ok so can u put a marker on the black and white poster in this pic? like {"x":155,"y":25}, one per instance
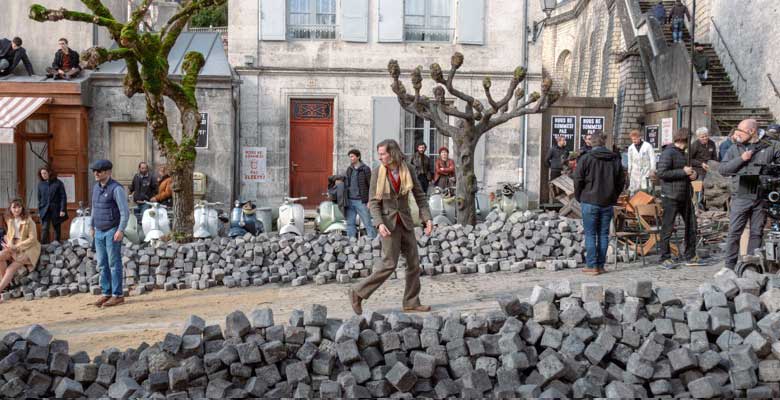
{"x":203,"y":132}
{"x":651,"y":135}
{"x":564,"y":126}
{"x":590,"y":126}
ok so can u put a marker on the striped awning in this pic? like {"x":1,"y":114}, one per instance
{"x":14,"y":110}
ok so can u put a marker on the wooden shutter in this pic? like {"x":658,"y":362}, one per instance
{"x":273,"y":20}
{"x":354,"y":20}
{"x":391,"y":20}
{"x":471,"y":21}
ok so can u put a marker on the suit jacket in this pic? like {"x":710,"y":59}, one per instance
{"x":28,"y":239}
{"x":387,"y":209}
{"x":51,"y":200}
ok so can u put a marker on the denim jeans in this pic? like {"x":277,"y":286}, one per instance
{"x":355,"y":208}
{"x":109,"y":257}
{"x":596,"y":220}
{"x":677,"y":26}
{"x":139,"y":211}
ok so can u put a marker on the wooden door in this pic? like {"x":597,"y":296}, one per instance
{"x":311,"y":148}
{"x":128,"y":148}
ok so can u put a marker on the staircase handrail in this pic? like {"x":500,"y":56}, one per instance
{"x":777,"y":93}
{"x":728,"y":51}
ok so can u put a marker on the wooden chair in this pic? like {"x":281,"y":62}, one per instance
{"x":649,"y":221}
{"x":622,"y":231}
{"x":698,"y":194}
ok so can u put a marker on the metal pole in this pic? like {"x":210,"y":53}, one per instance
{"x":690,"y":89}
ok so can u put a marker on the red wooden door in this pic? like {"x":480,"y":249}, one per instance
{"x":311,"y":148}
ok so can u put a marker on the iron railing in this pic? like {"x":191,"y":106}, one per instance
{"x":728,"y":51}
{"x":311,"y":31}
{"x":221,"y":29}
{"x":422,"y":34}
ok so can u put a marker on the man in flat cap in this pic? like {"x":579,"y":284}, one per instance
{"x":109,"y":220}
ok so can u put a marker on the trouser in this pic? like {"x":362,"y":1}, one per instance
{"x":702,"y":75}
{"x":401,"y":241}
{"x":596,"y":220}
{"x":139,"y":211}
{"x":71,"y":73}
{"x":671,"y":209}
{"x":554,"y":173}
{"x":742,"y":212}
{"x":356,"y":207}
{"x":45,"y":225}
{"x":677,"y":25}
{"x":109,"y":257}
{"x":423,"y":182}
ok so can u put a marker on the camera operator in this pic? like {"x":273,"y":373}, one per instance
{"x":746,"y":157}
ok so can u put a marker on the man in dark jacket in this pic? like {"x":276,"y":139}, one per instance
{"x":556,"y":157}
{"x":676,"y":194}
{"x":598,"y":182}
{"x":52,"y":204}
{"x":677,"y":17}
{"x":702,"y":151}
{"x":422,"y":163}
{"x":66,"y":63}
{"x":746,"y":157}
{"x":701,"y":62}
{"x":11,"y":54}
{"x":659,"y":12}
{"x":143,"y":188}
{"x":358,"y":181}
{"x":724,"y":148}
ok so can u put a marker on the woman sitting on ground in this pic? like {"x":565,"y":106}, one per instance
{"x":21,"y":247}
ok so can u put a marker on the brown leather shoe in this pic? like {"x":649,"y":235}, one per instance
{"x":419,"y":308}
{"x":114,"y":301}
{"x":589,"y":271}
{"x":357,"y":307}
{"x":102,"y":300}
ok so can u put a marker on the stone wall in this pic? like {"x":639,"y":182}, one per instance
{"x":631,"y":98}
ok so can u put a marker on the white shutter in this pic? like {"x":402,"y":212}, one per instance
{"x":391,"y":20}
{"x":471,"y":21}
{"x":354,"y":20}
{"x":386,"y":123}
{"x":273,"y":20}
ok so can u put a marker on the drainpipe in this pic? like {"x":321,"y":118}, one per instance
{"x":523,"y":175}
{"x":236,"y":192}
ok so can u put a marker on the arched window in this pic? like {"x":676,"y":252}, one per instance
{"x":563,"y":70}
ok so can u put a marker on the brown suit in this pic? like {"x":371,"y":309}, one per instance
{"x":401,"y":241}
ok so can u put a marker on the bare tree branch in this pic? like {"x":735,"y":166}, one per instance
{"x":138,"y":15}
{"x":42,"y":14}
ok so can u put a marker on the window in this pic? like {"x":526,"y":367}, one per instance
{"x":427,"y":21}
{"x":311,"y":19}
{"x":418,"y":130}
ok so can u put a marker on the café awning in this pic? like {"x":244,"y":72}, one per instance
{"x":14,"y":110}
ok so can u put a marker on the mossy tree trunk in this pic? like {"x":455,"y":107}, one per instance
{"x":146,"y":56}
{"x":473,"y":120}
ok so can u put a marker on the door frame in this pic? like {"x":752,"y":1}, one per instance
{"x":148,"y":142}
{"x":288,"y":96}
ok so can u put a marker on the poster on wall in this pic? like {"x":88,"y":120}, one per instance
{"x":563,"y":126}
{"x":590,"y":126}
{"x":69,"y":181}
{"x":667,"y":130}
{"x":203,"y":132}
{"x":253,"y":165}
{"x":651,"y":135}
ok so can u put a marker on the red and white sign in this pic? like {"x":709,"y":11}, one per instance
{"x":253,"y":165}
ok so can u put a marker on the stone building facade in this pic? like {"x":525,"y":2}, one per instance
{"x":286,"y":64}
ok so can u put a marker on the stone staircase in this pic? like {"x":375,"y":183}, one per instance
{"x":727,"y":109}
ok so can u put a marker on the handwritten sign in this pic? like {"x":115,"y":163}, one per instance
{"x":667,"y":131}
{"x":563,"y":126}
{"x":253,"y":165}
{"x":651,"y":135}
{"x":203,"y":132}
{"x":590,"y":126}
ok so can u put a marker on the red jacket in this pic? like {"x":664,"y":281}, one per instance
{"x":442,"y":168}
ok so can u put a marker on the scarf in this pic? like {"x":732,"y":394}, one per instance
{"x":382,"y":184}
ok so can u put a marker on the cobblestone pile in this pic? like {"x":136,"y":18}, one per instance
{"x":507,"y":243}
{"x":636,"y":341}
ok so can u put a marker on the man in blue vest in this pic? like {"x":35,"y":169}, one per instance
{"x":109,"y":220}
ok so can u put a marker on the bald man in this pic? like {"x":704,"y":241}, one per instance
{"x":746,"y":157}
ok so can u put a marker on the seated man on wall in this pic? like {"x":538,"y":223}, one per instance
{"x":66,"y":63}
{"x":11,"y":54}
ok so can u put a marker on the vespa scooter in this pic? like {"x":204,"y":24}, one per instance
{"x":134,"y":233}
{"x":207,"y":220}
{"x":243,"y":220}
{"x":511,"y":198}
{"x":155,"y":223}
{"x":442,"y":205}
{"x":81,"y":227}
{"x":329,"y":218}
{"x":291,"y":216}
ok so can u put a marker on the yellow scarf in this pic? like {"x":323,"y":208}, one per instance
{"x":383,"y":183}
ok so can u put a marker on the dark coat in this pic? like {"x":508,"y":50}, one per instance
{"x":599,"y":178}
{"x":14,"y":57}
{"x":764,"y":152}
{"x":679,"y":11}
{"x":72,"y":55}
{"x":723,"y":149}
{"x":557,"y":156}
{"x":702,"y":153}
{"x":51,"y":199}
{"x":363,"y":177}
{"x":393,"y":208}
{"x":675,"y":183}
{"x":143,"y":187}
{"x":422,"y":163}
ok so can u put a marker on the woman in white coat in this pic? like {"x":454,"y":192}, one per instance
{"x":641,"y":163}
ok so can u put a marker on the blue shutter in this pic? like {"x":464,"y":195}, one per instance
{"x":273,"y":20}
{"x":471,"y":21}
{"x":354,"y":20}
{"x":391,"y":20}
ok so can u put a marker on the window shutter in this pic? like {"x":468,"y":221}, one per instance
{"x":273,"y":20}
{"x":391,"y":20}
{"x":471,"y":21}
{"x":386,"y":120}
{"x":354,"y":20}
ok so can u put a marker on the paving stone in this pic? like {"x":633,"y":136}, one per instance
{"x":401,"y":377}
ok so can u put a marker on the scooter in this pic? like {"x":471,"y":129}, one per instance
{"x":291,"y":216}
{"x":329,"y":218}
{"x":442,"y":205}
{"x":207,"y":220}
{"x":155,"y":223}
{"x":134,"y":233}
{"x":81,"y":227}
{"x":243,"y":220}
{"x":511,"y":198}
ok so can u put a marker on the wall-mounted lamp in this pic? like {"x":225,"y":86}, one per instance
{"x":548,"y":6}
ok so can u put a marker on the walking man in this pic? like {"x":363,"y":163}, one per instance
{"x":746,"y":157}
{"x":676,"y":193}
{"x":422,"y":163}
{"x":659,"y":12}
{"x":598,"y":182}
{"x":391,"y":185}
{"x":358,"y":181}
{"x":677,"y":16}
{"x":641,"y":163}
{"x":109,"y":220}
{"x":700,"y":62}
{"x":143,"y":188}
{"x":557,"y":157}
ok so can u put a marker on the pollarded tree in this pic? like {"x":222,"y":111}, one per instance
{"x":474,"y":120}
{"x":146,"y":56}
